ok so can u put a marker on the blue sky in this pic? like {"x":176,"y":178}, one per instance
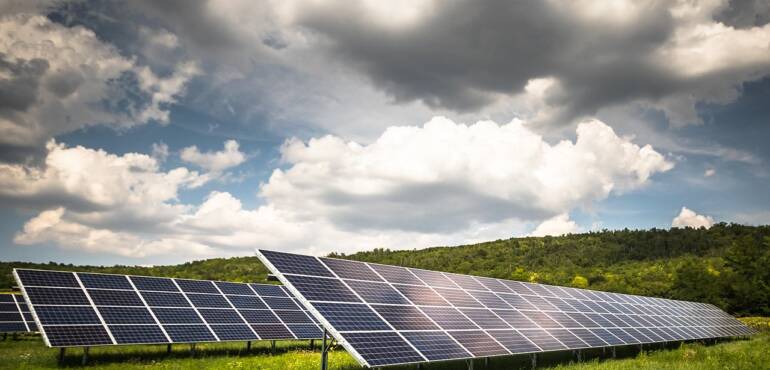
{"x":152,"y":133}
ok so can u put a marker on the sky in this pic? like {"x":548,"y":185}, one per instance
{"x":157,"y":132}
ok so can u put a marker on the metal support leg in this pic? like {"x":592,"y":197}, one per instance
{"x":192,"y":349}
{"x":248,"y":346}
{"x":61,"y":355}
{"x":15,"y":336}
{"x":470,"y":364}
{"x":272,"y":347}
{"x":613,"y":352}
{"x":580,"y":356}
{"x":534,"y":361}
{"x":85,"y":356}
{"x":486,"y":362}
{"x":312,"y":344}
{"x":324,"y":353}
{"x":641,"y":347}
{"x":168,"y":349}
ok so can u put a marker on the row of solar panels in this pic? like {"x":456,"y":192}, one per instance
{"x":14,"y":315}
{"x":86,"y":309}
{"x":388,"y":315}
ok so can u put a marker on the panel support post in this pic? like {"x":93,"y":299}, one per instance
{"x":85,"y":356}
{"x":579,"y":355}
{"x":61,"y":355}
{"x":534,"y":360}
{"x":248,"y":346}
{"x":324,"y":353}
{"x":486,"y":362}
{"x":312,"y":344}
{"x":470,"y":364}
{"x":5,"y":336}
{"x":168,"y":349}
{"x":272,"y":347}
{"x":613,"y":352}
{"x":641,"y":347}
{"x":15,"y":336}
{"x":192,"y":349}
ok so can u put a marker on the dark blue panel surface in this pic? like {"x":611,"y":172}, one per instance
{"x":320,"y":289}
{"x":405,"y":317}
{"x":380,"y":349}
{"x":234,"y":332}
{"x":47,"y":278}
{"x":132,"y":334}
{"x":64,"y":315}
{"x":436,"y":345}
{"x":126,"y":315}
{"x":345,"y":316}
{"x":104,"y":281}
{"x":479,"y":343}
{"x":154,"y":283}
{"x":296,"y":264}
{"x":103,"y":297}
{"x":76,"y":335}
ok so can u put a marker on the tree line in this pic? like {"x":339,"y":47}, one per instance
{"x":727,"y":265}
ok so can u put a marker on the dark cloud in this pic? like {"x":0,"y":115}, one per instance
{"x":745,"y":13}
{"x":463,"y":53}
{"x":20,"y":89}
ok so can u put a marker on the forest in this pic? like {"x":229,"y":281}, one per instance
{"x":727,"y":265}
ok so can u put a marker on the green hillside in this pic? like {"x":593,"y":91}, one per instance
{"x":727,"y":265}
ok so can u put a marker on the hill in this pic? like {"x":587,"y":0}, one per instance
{"x":727,"y":265}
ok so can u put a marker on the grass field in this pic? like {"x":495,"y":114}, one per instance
{"x":28,"y":352}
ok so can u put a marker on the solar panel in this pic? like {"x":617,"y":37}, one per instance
{"x":14,"y":315}
{"x":389,"y":315}
{"x":86,"y":309}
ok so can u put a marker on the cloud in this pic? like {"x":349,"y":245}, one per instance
{"x":56,"y":79}
{"x":215,"y":162}
{"x":709,"y":172}
{"x":472,"y":54}
{"x":555,"y":226}
{"x":415,"y":186}
{"x":444,"y":176}
{"x":688,"y":218}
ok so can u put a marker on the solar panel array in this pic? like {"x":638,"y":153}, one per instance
{"x":14,"y":315}
{"x":387,"y":315}
{"x":86,"y":309}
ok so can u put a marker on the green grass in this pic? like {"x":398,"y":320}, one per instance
{"x":28,"y":352}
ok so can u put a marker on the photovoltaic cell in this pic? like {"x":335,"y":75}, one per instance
{"x":448,"y":318}
{"x":452,"y":316}
{"x":479,"y":343}
{"x":514,"y":341}
{"x":132,"y":334}
{"x":436,"y":345}
{"x":405,"y":317}
{"x":372,"y":292}
{"x":383,"y":348}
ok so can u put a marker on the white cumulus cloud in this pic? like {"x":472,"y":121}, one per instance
{"x":441,"y":183}
{"x":216,"y":162}
{"x":555,"y":226}
{"x":688,"y":218}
